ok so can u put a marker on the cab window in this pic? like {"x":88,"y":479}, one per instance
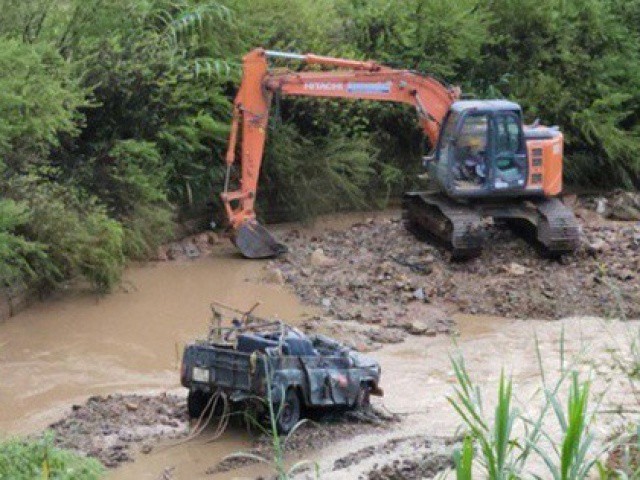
{"x":448,"y":133}
{"x":449,"y":128}
{"x":510,"y":155}
{"x":508,"y":135}
{"x":471,"y":167}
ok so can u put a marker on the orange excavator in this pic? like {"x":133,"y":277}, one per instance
{"x":485,"y":161}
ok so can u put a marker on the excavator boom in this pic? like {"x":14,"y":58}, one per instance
{"x":347,"y":79}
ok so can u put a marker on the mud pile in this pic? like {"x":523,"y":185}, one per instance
{"x":414,"y":457}
{"x":378,"y":273}
{"x":112,"y":428}
{"x":115,"y":428}
{"x":324,"y":429}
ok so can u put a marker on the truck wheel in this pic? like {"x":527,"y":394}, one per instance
{"x":289,"y":414}
{"x":197,"y":401}
{"x":363,"y":401}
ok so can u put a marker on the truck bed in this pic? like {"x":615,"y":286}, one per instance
{"x":228,"y":368}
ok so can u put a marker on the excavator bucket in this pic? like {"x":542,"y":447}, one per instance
{"x":255,"y":241}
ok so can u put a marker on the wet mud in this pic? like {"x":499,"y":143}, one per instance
{"x":375,"y":272}
{"x":113,"y":428}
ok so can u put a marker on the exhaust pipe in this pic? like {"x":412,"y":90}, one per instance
{"x":255,"y":241}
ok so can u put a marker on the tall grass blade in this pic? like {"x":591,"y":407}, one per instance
{"x":463,"y":460}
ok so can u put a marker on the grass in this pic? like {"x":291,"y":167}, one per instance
{"x":27,"y":460}
{"x":504,"y":455}
{"x":496,"y":444}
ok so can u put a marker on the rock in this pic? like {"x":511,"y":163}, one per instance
{"x":213,"y":238}
{"x":201,"y":239}
{"x":516,"y":269}
{"x":547,"y":292}
{"x":598,"y":246}
{"x":625,"y":206}
{"x":326,"y":302}
{"x":429,"y":258}
{"x":175,"y":251}
{"x":625,"y":274}
{"x":319,"y":259}
{"x":417,"y":327}
{"x":305,"y":272}
{"x":275,"y":276}
{"x":385,"y":335}
{"x":132,"y":407}
{"x":146,"y":448}
{"x":191,"y":250}
{"x":625,"y":212}
{"x":589,"y":216}
{"x":419,"y":294}
{"x":601,"y":206}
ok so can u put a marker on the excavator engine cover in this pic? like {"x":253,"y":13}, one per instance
{"x":255,"y":241}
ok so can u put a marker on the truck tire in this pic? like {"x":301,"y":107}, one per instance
{"x":288,"y":415}
{"x":197,"y":401}
{"x":363,"y":401}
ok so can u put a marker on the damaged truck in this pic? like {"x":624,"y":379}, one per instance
{"x":256,"y":362}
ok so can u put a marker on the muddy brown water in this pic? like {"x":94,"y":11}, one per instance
{"x":63,"y":350}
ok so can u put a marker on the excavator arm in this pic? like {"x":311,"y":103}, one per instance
{"x":347,"y":79}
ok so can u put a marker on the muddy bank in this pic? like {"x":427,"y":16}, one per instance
{"x":408,"y":458}
{"x":376,"y":272}
{"x":114,"y":428}
{"x":14,"y":300}
{"x":321,"y":431}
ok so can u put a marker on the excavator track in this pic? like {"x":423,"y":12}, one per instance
{"x":454,"y":224}
{"x":549,"y":223}
{"x":558,"y":230}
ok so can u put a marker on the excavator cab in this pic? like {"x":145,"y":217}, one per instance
{"x":481,"y":150}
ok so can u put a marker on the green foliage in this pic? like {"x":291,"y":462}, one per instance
{"x":129,"y":103}
{"x":38,"y":99}
{"x":463,"y":459}
{"x":20,"y":260}
{"x":441,"y":38}
{"x":305,"y":177}
{"x":111,"y":112}
{"x":573,"y":462}
{"x":505,"y":453}
{"x":26,"y":460}
{"x":295,"y":25}
{"x":81,"y":238}
{"x":497,"y":445}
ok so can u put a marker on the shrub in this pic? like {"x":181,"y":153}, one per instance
{"x":79,"y":236}
{"x":26,"y":460}
{"x":39,"y":100}
{"x":302,"y":178}
{"x":20,"y":259}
